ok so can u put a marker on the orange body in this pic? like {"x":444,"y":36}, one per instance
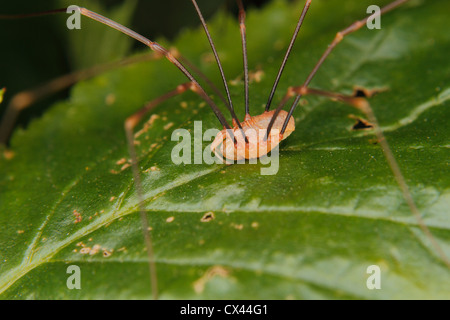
{"x":255,"y":129}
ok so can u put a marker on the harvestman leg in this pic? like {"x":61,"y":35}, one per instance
{"x":27,"y":98}
{"x":288,"y":52}
{"x":216,"y":55}
{"x":160,"y":49}
{"x":337,"y":39}
{"x":229,"y":104}
{"x":244,"y":55}
{"x":130,"y":124}
{"x":363,"y":105}
{"x":286,"y":56}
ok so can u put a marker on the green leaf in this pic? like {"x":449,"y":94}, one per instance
{"x":310,"y":231}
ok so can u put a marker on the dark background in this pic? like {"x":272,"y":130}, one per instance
{"x":34,"y":50}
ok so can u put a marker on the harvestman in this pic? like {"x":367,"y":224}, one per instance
{"x":276,"y":124}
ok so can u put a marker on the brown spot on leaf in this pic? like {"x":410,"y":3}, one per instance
{"x":85,"y":250}
{"x":121,"y":161}
{"x":95,"y":249}
{"x":170,"y":219}
{"x":361,"y":124}
{"x":168,"y":126}
{"x":125,"y":166}
{"x":78,"y":216}
{"x":107,"y":253}
{"x":147,"y":125}
{"x":215,"y":271}
{"x":361,"y":92}
{"x":237,"y":226}
{"x":208,"y":217}
{"x":256,"y":75}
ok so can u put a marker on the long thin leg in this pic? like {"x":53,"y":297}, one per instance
{"x":219,"y":64}
{"x":130,"y":124}
{"x":203,"y":76}
{"x":363,"y":105}
{"x":216,"y":56}
{"x":25,"y":99}
{"x":288,"y":52}
{"x":337,"y":39}
{"x":160,"y":49}
{"x":244,"y":54}
{"x":211,"y":43}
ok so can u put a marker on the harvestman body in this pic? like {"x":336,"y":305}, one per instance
{"x":268,"y":129}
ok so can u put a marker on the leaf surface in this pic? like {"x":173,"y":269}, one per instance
{"x":310,"y":231}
